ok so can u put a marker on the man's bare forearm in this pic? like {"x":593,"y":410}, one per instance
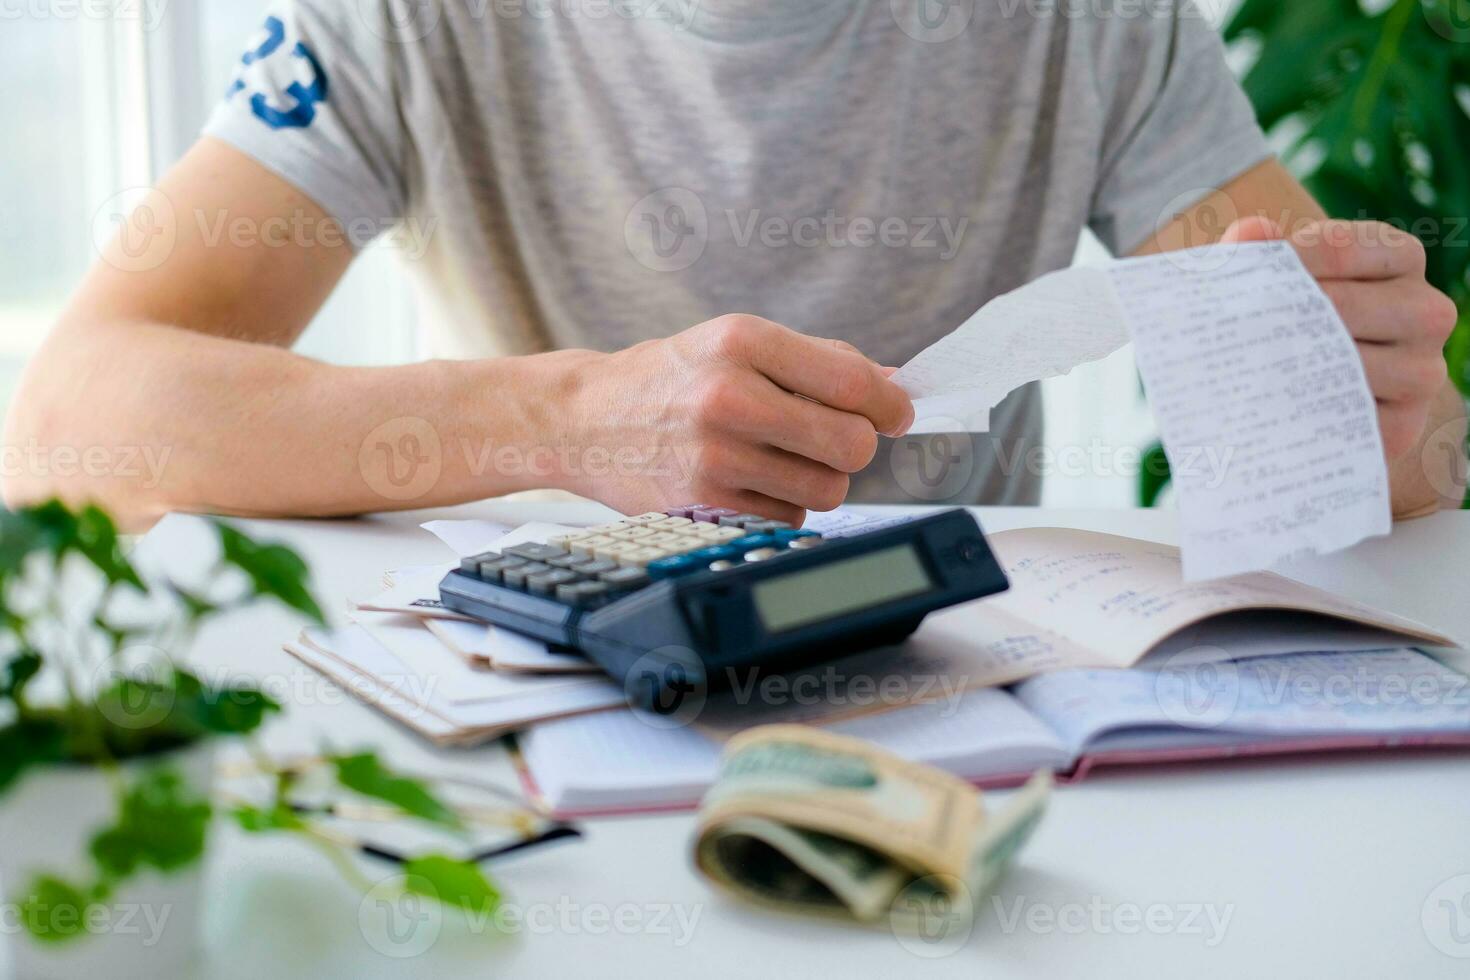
{"x":147,"y":419}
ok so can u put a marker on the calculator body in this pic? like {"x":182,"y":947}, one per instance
{"x":698,"y":629}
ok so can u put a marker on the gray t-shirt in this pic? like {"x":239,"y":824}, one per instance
{"x":594,"y":173}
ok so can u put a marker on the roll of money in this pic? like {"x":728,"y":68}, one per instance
{"x":807,"y":821}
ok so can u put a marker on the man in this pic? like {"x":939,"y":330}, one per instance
{"x":672,"y":245}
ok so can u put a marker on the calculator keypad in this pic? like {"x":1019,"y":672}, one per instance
{"x":597,"y":564}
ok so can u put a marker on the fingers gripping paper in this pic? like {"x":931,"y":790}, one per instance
{"x":1247,"y":366}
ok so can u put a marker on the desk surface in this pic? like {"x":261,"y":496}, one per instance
{"x":1337,"y":867}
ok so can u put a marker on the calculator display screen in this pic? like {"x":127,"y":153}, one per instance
{"x":786,"y":602}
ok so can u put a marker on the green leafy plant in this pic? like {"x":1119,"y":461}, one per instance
{"x":1378,"y":103}
{"x":72,"y":609}
{"x":449,"y":880}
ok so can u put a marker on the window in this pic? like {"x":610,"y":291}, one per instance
{"x":98,"y":105}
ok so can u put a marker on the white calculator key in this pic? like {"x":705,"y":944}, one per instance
{"x":674,"y":522}
{"x":630,"y":533}
{"x":638,"y":557}
{"x":590,"y":545}
{"x":652,"y":517}
{"x":726,"y":533}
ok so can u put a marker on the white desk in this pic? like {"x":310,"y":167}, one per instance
{"x":1323,"y":868}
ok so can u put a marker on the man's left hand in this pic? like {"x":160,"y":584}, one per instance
{"x":1374,"y":275}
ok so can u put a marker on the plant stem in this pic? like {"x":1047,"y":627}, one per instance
{"x":1395,"y":22}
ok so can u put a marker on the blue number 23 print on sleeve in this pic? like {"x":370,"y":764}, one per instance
{"x":306,"y":97}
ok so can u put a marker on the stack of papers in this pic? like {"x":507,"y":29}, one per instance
{"x":451,"y":679}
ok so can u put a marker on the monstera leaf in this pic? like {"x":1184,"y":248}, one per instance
{"x":1382,"y":102}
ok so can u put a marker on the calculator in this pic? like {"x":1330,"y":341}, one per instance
{"x":684,"y":599}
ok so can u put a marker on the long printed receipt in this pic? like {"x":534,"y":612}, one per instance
{"x":1247,"y":366}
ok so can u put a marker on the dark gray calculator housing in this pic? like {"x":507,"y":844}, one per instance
{"x":691,"y":632}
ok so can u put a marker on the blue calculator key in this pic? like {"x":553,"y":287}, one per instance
{"x":752,"y":541}
{"x":717,"y":552}
{"x":672,"y":566}
{"x":790,"y":534}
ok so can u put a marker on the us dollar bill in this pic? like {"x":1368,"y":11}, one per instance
{"x":804,"y":820}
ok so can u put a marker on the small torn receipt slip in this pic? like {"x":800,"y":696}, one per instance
{"x":1267,"y":419}
{"x":1041,"y":330}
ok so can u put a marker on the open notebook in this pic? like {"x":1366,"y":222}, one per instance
{"x":1070,"y":721}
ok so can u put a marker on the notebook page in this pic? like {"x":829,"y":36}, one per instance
{"x":1367,"y":693}
{"x":1116,"y":597}
{"x":628,"y":759}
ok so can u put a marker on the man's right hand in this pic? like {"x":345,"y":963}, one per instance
{"x":736,"y":412}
